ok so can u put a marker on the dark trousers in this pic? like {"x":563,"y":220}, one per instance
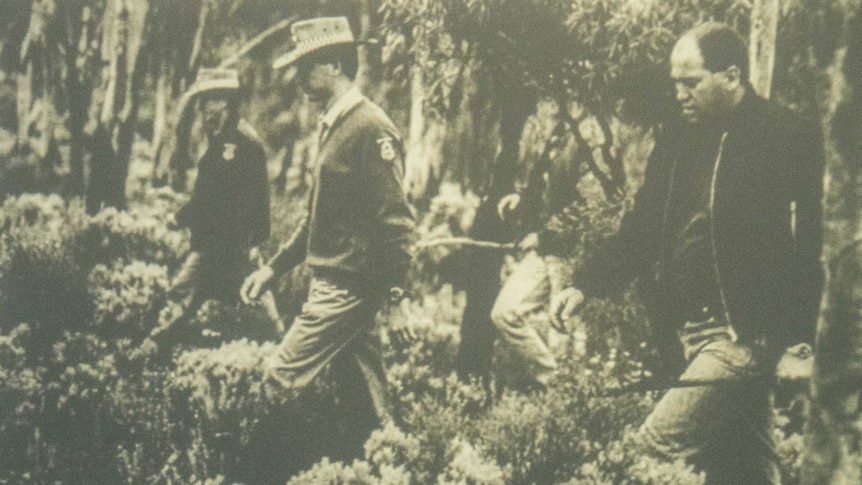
{"x":482,"y":284}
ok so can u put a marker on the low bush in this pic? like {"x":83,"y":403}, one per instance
{"x":80,"y":402}
{"x":127,"y":297}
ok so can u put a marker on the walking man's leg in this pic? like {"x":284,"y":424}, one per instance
{"x":525,"y":293}
{"x":722,"y":427}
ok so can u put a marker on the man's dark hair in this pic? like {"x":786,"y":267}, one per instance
{"x":721,"y":47}
{"x":344,"y":55}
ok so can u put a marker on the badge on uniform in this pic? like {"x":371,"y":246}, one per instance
{"x":229,"y":151}
{"x":387,"y":149}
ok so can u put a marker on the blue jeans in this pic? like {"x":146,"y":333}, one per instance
{"x":722,"y":428}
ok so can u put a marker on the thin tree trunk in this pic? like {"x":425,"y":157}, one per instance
{"x":23,"y":98}
{"x":122,"y":44}
{"x":364,"y":59}
{"x":834,"y":428}
{"x":79,"y":97}
{"x":761,"y":46}
{"x":417,"y":168}
{"x":194,"y":58}
{"x":160,"y":124}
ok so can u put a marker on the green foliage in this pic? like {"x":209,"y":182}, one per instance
{"x":80,"y":404}
{"x":594,"y":52}
{"x":215,"y":396}
{"x":126,"y":297}
{"x":450,"y":214}
{"x":140,"y":233}
{"x":40,"y":283}
{"x":61,"y":270}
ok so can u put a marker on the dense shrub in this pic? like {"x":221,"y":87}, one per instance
{"x":127,"y":297}
{"x":80,"y":402}
{"x":140,"y":233}
{"x":214,"y":397}
{"x":40,"y":282}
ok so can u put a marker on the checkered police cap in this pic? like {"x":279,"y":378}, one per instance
{"x":212,"y":79}
{"x":314,"y":34}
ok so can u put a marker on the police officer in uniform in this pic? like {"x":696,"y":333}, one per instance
{"x":354,"y":237}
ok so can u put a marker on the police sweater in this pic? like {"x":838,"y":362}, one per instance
{"x":359,"y":220}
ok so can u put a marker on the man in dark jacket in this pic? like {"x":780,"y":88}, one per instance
{"x":228,"y":213}
{"x":356,"y":234}
{"x":725,"y":238}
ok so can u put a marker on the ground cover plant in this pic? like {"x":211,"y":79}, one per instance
{"x":81,"y":403}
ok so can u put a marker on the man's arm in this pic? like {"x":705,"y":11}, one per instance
{"x":257,"y":215}
{"x":392,"y":216}
{"x":292,"y":252}
{"x":630,"y":251}
{"x":289,"y":255}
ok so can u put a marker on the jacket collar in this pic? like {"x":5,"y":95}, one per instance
{"x":344,"y":104}
{"x":745,"y":111}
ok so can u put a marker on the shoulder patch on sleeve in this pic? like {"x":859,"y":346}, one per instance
{"x":229,"y":151}
{"x":387,"y":148}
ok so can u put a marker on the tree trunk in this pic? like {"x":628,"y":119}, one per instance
{"x":834,"y":431}
{"x":23,"y":98}
{"x":161,"y":125}
{"x":123,"y":40}
{"x":194,"y":58}
{"x":614,"y":163}
{"x":761,"y":46}
{"x":417,"y":169}
{"x":79,"y":96}
{"x":364,"y":30}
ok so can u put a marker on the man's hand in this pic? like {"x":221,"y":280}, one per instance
{"x":508,"y":205}
{"x":255,"y":283}
{"x":529,"y":242}
{"x":401,"y":329}
{"x":563,"y":306}
{"x":796,"y":364}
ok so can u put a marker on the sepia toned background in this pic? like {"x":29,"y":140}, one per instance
{"x":95,"y":158}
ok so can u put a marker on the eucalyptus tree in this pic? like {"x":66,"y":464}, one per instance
{"x":84,"y":69}
{"x":832,"y":454}
{"x":81,"y":68}
{"x":589,"y":55}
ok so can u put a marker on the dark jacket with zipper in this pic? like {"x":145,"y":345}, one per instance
{"x":765,"y":227}
{"x":359,"y":221}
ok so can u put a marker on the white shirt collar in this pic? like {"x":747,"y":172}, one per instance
{"x":348,"y":100}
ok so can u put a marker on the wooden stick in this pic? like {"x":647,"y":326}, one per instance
{"x":462,"y":241}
